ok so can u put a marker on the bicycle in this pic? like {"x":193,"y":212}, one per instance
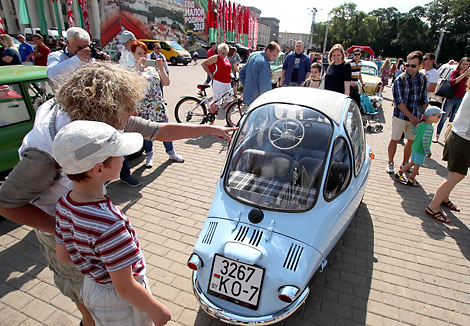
{"x":192,"y":109}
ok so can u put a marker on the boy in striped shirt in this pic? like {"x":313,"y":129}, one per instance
{"x":94,"y":235}
{"x":421,"y":146}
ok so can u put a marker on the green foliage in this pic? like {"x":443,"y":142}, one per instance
{"x":394,"y":34}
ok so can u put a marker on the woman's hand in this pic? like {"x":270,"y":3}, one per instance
{"x":140,"y":63}
{"x":160,"y":64}
{"x":223,"y":132}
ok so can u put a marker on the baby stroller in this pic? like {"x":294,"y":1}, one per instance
{"x":369,"y":114}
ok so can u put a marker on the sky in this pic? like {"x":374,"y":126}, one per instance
{"x":297,"y":18}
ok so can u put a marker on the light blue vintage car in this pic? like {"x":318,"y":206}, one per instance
{"x":294,"y":177}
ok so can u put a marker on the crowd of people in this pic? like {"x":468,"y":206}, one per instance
{"x":103,"y":112}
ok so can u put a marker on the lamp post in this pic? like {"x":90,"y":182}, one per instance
{"x":440,"y":42}
{"x":326,"y":37}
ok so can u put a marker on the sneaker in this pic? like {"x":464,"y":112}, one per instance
{"x":131,"y":181}
{"x":149,"y":160}
{"x":176,"y":158}
{"x":413,"y":183}
{"x":400,"y":177}
{"x":389,"y":168}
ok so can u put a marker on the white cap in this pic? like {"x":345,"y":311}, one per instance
{"x":125,"y":37}
{"x":80,"y":145}
{"x":432,"y":110}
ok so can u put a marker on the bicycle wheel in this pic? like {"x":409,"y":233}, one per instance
{"x":191,"y":110}
{"x":235,"y":111}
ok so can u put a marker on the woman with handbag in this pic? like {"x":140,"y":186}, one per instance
{"x":458,"y":79}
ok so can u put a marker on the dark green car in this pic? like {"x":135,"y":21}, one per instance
{"x":22,"y":90}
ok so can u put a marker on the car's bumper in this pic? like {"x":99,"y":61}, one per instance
{"x":230,"y":318}
{"x":181,"y":59}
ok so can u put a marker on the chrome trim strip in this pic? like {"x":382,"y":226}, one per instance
{"x":230,"y":318}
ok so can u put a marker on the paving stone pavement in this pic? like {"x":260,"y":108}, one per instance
{"x":393,"y":266}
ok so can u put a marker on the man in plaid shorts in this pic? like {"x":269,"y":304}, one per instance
{"x":410,"y":101}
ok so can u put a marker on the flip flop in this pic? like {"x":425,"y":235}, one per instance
{"x":450,"y":205}
{"x":437,"y":215}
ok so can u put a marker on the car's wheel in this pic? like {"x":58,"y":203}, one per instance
{"x":173,"y":61}
{"x":185,"y":63}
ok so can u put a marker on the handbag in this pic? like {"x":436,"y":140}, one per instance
{"x":446,"y":89}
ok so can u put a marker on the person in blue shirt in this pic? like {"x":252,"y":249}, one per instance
{"x":256,"y":73}
{"x":26,"y":50}
{"x":296,"y":67}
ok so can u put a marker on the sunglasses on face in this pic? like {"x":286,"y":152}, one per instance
{"x":356,"y":54}
{"x":425,"y":59}
{"x":410,"y":65}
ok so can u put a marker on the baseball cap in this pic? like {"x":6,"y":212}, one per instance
{"x":80,"y":145}
{"x":126,"y":36}
{"x":432,"y":110}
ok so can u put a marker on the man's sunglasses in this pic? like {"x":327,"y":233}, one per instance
{"x":356,"y":54}
{"x":410,"y":65}
{"x":425,"y":59}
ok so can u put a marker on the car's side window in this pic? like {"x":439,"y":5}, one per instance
{"x":12,"y":105}
{"x":339,"y":171}
{"x":149,"y":45}
{"x":39,"y":92}
{"x":354,"y":127}
{"x":165,"y":46}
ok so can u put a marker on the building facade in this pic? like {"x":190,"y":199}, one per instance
{"x":273,"y":24}
{"x":287,"y":39}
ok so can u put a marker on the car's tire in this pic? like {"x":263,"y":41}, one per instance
{"x":185,"y":63}
{"x":173,"y":61}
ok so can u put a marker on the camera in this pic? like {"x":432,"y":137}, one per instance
{"x":96,"y":52}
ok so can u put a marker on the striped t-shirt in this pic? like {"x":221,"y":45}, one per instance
{"x":98,"y":238}
{"x":355,"y":70}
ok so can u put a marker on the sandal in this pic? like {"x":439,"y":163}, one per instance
{"x":437,"y":215}
{"x":450,"y":205}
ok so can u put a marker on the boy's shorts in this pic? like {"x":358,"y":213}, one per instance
{"x":67,"y":277}
{"x":418,"y":158}
{"x":400,"y":126}
{"x":456,"y":154}
{"x":108,"y":308}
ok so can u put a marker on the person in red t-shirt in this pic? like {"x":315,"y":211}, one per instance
{"x":41,"y":51}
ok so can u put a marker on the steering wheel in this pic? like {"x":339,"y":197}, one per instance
{"x":286,"y":133}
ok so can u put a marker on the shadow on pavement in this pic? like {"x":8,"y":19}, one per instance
{"x":414,"y":201}
{"x":338,"y":295}
{"x":206,"y":141}
{"x":16,"y":270}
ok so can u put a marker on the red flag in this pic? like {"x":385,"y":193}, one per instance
{"x":2,"y":27}
{"x":230,"y":19}
{"x":255,"y":34}
{"x":246,"y":22}
{"x":70,"y":13}
{"x":86,"y":20}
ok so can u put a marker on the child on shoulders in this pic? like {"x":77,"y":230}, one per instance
{"x":96,"y":236}
{"x":421,"y":146}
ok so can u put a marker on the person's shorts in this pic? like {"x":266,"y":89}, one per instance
{"x":219,"y":89}
{"x":418,"y":158}
{"x":108,"y":308}
{"x":67,"y":277}
{"x":400,"y":126}
{"x":457,"y":154}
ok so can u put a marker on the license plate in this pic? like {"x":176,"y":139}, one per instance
{"x":237,"y":282}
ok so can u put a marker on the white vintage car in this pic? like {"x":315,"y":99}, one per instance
{"x":294,"y":177}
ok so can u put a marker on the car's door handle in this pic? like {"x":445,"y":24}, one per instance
{"x":14,"y":106}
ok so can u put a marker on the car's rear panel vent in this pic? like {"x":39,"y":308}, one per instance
{"x":256,"y":237}
{"x":293,"y":257}
{"x":242,"y":232}
{"x":210,"y":233}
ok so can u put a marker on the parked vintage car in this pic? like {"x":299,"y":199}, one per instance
{"x":444,"y":73}
{"x":371,"y":78}
{"x":243,"y":51}
{"x":276,"y":67}
{"x":21,"y":93}
{"x":294,"y":177}
{"x":173,"y":52}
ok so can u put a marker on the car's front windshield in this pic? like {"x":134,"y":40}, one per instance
{"x":176,"y":46}
{"x":369,"y":70}
{"x":278,"y":158}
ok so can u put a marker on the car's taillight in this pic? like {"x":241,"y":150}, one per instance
{"x":194,"y":262}
{"x":288,"y":293}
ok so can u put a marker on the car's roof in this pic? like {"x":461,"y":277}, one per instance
{"x":327,"y":102}
{"x":17,"y":73}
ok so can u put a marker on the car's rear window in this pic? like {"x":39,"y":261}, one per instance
{"x":278,"y":157}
